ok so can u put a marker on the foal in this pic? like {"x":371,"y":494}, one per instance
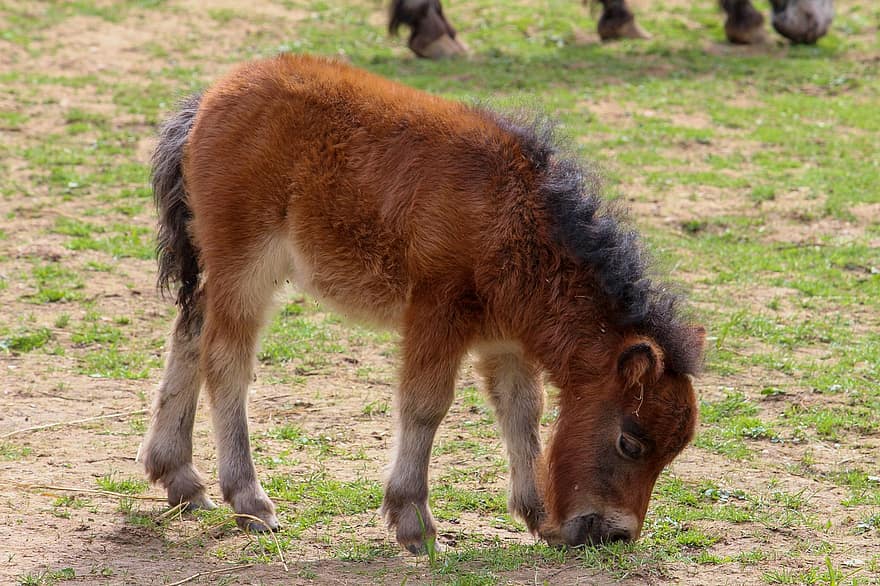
{"x":456,"y":226}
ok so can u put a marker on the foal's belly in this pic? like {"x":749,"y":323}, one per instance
{"x":353,"y":275}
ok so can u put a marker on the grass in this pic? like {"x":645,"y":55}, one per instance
{"x":114,"y":483}
{"x":303,"y":341}
{"x":55,"y":283}
{"x":753,"y":175}
{"x":47,"y":577}
{"x":118,"y":363}
{"x":10,"y":452}
{"x":26,"y":340}
{"x":319,"y":498}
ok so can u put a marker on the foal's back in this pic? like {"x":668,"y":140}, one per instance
{"x":360,"y":189}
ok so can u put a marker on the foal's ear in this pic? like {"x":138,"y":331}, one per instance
{"x":640,"y":362}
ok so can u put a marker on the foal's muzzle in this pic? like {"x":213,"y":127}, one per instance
{"x":592,"y":529}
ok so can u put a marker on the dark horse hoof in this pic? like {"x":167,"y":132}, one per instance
{"x":745,"y":25}
{"x":431,"y":36}
{"x":619,"y":23}
{"x":440,"y":48}
{"x":802,"y":21}
{"x":744,"y":35}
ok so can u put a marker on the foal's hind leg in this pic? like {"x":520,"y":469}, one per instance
{"x":167,"y":451}
{"x":237,"y":303}
{"x":514,"y":388}
{"x":432,"y":348}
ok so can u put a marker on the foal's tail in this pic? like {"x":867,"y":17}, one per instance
{"x":177,"y":254}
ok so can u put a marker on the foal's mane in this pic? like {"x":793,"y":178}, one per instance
{"x":595,"y":233}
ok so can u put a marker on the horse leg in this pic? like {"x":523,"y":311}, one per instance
{"x":431,"y":35}
{"x":432,"y":348}
{"x":802,"y":21}
{"x":514,"y":388}
{"x":237,"y":304}
{"x":744,"y":25}
{"x":167,"y":451}
{"x":617,"y":22}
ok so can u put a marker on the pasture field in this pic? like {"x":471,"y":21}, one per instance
{"x":754,"y":173}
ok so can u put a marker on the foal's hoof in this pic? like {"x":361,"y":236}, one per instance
{"x":745,"y":36}
{"x":199,"y":503}
{"x":422,"y":548}
{"x":254,"y":512}
{"x":249,"y":524}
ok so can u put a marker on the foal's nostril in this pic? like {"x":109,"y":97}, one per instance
{"x":592,"y":530}
{"x":589,"y":526}
{"x":582,"y":530}
{"x":618,"y":535}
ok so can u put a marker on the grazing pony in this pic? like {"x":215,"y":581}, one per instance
{"x":801,"y":21}
{"x":463,"y":229}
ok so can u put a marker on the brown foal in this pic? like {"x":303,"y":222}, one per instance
{"x":463,"y":229}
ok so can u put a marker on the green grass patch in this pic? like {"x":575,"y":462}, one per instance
{"x":304,"y":340}
{"x":114,"y":483}
{"x":10,"y":452}
{"x":26,"y":340}
{"x":55,"y":283}
{"x":318,"y":498}
{"x":121,"y":241}
{"x":118,"y":363}
{"x":46,"y":577}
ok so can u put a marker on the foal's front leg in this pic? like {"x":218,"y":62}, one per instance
{"x":432,"y":352}
{"x":513,"y":385}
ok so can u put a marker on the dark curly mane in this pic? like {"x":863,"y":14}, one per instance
{"x":594,"y":232}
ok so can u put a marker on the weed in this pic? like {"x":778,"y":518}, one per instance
{"x":56,"y":284}
{"x":374,"y":408}
{"x":11,"y":452}
{"x":26,"y":341}
{"x":113,"y":483}
{"x":47,"y":577}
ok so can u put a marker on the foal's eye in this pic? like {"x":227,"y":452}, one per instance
{"x":629,"y":447}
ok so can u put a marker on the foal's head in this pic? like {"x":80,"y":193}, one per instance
{"x":612,"y":339}
{"x":613,"y":437}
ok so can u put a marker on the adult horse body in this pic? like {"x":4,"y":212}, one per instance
{"x":457,"y":226}
{"x":801,"y":21}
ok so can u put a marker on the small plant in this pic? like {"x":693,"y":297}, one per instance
{"x":56,"y":284}
{"x":375,"y":408}
{"x":26,"y":341}
{"x":11,"y":452}
{"x":694,"y":226}
{"x":112,"y":483}
{"x":47,"y":577}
